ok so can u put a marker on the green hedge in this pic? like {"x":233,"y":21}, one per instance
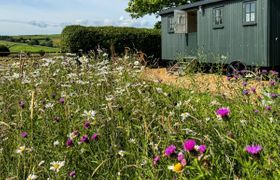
{"x":87,"y":38}
{"x":4,"y":51}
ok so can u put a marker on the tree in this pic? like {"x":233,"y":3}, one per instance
{"x":157,"y":25}
{"x":140,"y":8}
{"x":4,"y":51}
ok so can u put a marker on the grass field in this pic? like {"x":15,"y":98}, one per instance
{"x":54,"y":37}
{"x":102,"y":121}
{"x":18,"y":47}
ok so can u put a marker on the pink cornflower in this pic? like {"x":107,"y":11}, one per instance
{"x":189,"y":145}
{"x":253,"y":149}
{"x":24,"y":134}
{"x":253,"y":89}
{"x":69,"y":142}
{"x":61,"y":100}
{"x":156,"y":160}
{"x":170,"y":150}
{"x":180,"y":156}
{"x":72,"y":174}
{"x":223,"y":112}
{"x":202,"y":148}
{"x":84,"y":139}
{"x":87,"y":125}
{"x":94,"y":137}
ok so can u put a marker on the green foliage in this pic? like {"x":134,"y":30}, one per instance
{"x":157,"y":25}
{"x":42,"y":53}
{"x":140,"y":8}
{"x":88,"y":38}
{"x":4,"y":50}
{"x":33,"y":42}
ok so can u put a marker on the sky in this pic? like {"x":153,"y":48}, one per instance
{"x":26,"y":17}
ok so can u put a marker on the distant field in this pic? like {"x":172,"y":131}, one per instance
{"x":54,"y":37}
{"x":17,"y":47}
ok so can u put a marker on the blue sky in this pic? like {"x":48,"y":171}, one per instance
{"x":50,"y":16}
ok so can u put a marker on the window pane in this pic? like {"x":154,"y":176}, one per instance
{"x":253,"y":17}
{"x":248,"y":17}
{"x":253,"y":7}
{"x":248,"y":7}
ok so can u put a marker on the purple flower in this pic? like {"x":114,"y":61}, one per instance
{"x":61,"y":100}
{"x":223,"y":112}
{"x":264,"y":71}
{"x":189,"y":145}
{"x":272,"y":83}
{"x":256,"y":111}
{"x":253,"y":89}
{"x":170,"y":150}
{"x":183,"y":162}
{"x":87,"y":125}
{"x":274,"y":73}
{"x":244,"y":84}
{"x":21,"y":104}
{"x":72,"y":174}
{"x":156,"y":160}
{"x":268,"y":108}
{"x":245,"y":92}
{"x":253,"y":149}
{"x":94,"y":137}
{"x":69,"y":142}
{"x":273,"y":95}
{"x":24,"y":134}
{"x":180,"y":156}
{"x":202,"y":148}
{"x":84,"y":139}
{"x":228,"y":78}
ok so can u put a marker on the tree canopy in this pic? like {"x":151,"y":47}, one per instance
{"x":140,"y":8}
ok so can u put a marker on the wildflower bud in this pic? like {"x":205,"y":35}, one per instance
{"x":21,"y":104}
{"x":61,"y":100}
{"x":69,"y":142}
{"x":72,"y":174}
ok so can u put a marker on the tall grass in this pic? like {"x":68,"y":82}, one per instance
{"x":134,"y":120}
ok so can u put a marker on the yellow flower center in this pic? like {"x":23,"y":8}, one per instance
{"x":178,"y":167}
{"x":56,"y":166}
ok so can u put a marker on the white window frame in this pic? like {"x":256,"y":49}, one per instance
{"x":250,"y":12}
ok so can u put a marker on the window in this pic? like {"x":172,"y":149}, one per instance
{"x":180,"y":25}
{"x":218,"y":17}
{"x":171,"y":24}
{"x":249,"y":12}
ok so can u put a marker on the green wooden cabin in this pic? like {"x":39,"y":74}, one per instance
{"x":230,"y":30}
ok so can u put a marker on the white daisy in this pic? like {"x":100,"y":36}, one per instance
{"x":57,"y":165}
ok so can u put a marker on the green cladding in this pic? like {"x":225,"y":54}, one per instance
{"x":241,"y":30}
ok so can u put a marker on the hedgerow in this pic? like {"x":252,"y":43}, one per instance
{"x":75,"y":38}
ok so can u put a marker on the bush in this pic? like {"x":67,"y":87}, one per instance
{"x":4,"y":51}
{"x":88,"y":38}
{"x":33,"y":42}
{"x":42,"y":52}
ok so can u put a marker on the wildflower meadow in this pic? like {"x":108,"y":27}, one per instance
{"x":99,"y":120}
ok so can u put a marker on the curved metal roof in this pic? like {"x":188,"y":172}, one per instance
{"x":189,"y":6}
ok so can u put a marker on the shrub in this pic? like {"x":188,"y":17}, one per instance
{"x":4,"y":51}
{"x":88,"y":38}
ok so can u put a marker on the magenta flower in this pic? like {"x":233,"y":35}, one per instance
{"x":189,"y":145}
{"x":268,"y":108}
{"x":21,"y":104}
{"x":244,"y":84}
{"x":245,"y":92}
{"x":69,"y":142}
{"x":183,"y":162}
{"x":170,"y":150}
{"x":94,"y":137}
{"x":202,"y":148}
{"x":223,"y":112}
{"x":253,"y":89}
{"x":272,"y":83}
{"x":156,"y":160}
{"x":61,"y":100}
{"x":228,"y":78}
{"x":24,"y":134}
{"x":84,"y":139}
{"x":87,"y":125}
{"x":256,"y":111}
{"x":253,"y":149}
{"x":180,"y":156}
{"x":273,"y":95}
{"x":72,"y":174}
